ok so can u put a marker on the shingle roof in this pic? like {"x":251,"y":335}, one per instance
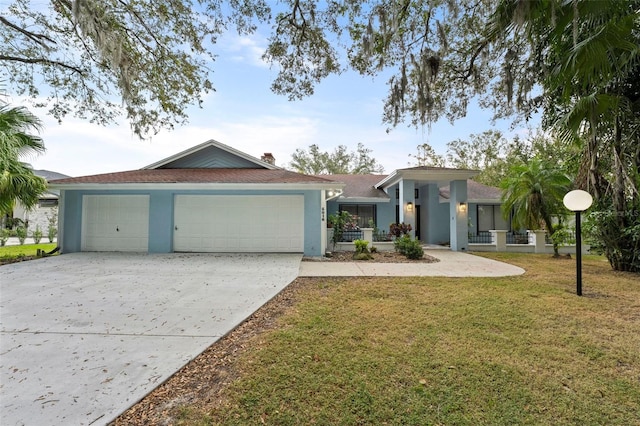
{"x":195,"y":176}
{"x":359,"y":186}
{"x":49,"y":175}
{"x":476,"y":191}
{"x":362,"y":186}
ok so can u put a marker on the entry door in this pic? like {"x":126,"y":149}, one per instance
{"x":115,"y":223}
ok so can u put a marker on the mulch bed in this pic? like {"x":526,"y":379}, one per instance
{"x":379,"y":257}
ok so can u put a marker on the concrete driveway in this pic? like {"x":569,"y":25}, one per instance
{"x":86,"y":335}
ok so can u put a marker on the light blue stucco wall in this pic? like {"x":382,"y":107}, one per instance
{"x":435,"y":216}
{"x":161,"y":216}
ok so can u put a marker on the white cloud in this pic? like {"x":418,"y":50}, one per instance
{"x":247,"y":49}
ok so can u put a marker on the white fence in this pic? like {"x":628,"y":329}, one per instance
{"x":536,"y":244}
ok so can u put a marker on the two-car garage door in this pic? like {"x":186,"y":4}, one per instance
{"x":232,"y":223}
{"x":202,"y":223}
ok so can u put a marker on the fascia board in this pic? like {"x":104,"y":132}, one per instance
{"x":485,"y":201}
{"x":198,"y":186}
{"x":372,"y":200}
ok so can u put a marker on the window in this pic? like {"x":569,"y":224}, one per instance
{"x":363,"y":213}
{"x":47,"y":202}
{"x":490,"y":217}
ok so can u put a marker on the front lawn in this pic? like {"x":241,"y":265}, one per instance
{"x":9,"y":254}
{"x":417,"y":351}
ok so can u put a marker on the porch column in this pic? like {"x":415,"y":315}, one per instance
{"x":538,"y":240}
{"x":458,"y":206}
{"x":407,"y":195}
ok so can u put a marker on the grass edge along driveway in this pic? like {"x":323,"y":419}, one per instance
{"x":517,"y":350}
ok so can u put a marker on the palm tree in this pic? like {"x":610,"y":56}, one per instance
{"x":533,"y":193}
{"x":17,"y":181}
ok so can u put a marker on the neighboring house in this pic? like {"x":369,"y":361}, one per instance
{"x":46,"y":208}
{"x":210,"y":198}
{"x":427,"y":205}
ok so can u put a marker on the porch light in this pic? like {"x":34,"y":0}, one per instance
{"x":330,"y":193}
{"x":462,"y":207}
{"x":409,"y":206}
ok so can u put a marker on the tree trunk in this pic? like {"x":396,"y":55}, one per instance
{"x":618,"y":183}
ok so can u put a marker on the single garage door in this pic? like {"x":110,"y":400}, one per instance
{"x":232,"y":223}
{"x":115,"y":223}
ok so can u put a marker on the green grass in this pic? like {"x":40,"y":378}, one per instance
{"x":421,"y":351}
{"x":26,"y":250}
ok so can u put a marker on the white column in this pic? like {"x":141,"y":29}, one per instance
{"x":367,"y":234}
{"x":537,"y":239}
{"x":499,"y":239}
{"x":407,"y":195}
{"x":459,"y":226}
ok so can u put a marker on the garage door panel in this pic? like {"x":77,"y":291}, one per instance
{"x":216,"y":223}
{"x":115,"y":223}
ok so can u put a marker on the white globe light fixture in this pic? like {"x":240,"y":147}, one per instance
{"x":578,"y":201}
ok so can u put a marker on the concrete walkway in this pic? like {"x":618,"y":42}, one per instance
{"x":86,"y":335}
{"x":451,"y":264}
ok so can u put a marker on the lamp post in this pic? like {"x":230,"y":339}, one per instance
{"x":578,"y":201}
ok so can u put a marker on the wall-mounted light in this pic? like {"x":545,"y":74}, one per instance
{"x":462,"y":207}
{"x":330,"y":193}
{"x":409,"y":206}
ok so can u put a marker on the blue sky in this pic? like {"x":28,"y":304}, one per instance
{"x":243,"y":113}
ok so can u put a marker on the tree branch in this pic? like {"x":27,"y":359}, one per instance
{"x":41,"y":61}
{"x":38,"y":38}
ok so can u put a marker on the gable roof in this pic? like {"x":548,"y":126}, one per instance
{"x":245,"y":173}
{"x":172,"y":161}
{"x":424,"y":174}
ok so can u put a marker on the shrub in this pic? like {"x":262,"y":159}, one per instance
{"x":21,"y":232}
{"x":362,"y":250}
{"x":400,"y":244}
{"x":362,"y":246}
{"x":414,"y":250}
{"x":362,"y":256}
{"x":4,"y":236}
{"x":341,"y":222}
{"x":37,"y":235}
{"x":52,"y":218}
{"x":51,"y":233}
{"x":399,"y":229}
{"x":411,"y":248}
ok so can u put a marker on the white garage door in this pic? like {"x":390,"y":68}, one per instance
{"x":229,"y":223}
{"x":115,"y":223}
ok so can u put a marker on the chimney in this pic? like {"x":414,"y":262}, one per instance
{"x":268,"y":158}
